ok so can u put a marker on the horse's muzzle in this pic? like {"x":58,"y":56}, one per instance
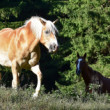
{"x":78,"y":72}
{"x":53,"y":47}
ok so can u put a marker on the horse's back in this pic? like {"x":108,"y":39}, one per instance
{"x":5,"y":29}
{"x":4,"y":33}
{"x":106,"y":84}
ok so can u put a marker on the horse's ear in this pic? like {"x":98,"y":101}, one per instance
{"x":55,"y":21}
{"x":42,"y":21}
{"x":85,"y":55}
{"x":78,"y":55}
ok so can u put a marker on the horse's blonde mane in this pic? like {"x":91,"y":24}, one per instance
{"x":36,"y":25}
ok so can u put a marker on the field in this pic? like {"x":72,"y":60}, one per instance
{"x":22,"y":100}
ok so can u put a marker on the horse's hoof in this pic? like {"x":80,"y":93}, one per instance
{"x":35,"y":95}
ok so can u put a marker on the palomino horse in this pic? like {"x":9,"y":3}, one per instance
{"x":19,"y":48}
{"x":91,"y":76}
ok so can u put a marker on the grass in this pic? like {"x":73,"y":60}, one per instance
{"x":22,"y":100}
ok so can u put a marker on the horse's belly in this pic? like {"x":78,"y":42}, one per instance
{"x":4,"y":60}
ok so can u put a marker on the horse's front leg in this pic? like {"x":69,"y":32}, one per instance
{"x":15,"y":72}
{"x":36,"y":70}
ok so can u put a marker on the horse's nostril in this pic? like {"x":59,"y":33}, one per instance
{"x":54,"y":46}
{"x":51,"y":47}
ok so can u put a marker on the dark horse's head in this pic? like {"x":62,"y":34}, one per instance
{"x":80,"y":63}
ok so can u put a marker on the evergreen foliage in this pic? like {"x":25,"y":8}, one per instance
{"x":84,"y":27}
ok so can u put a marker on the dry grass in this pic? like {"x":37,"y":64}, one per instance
{"x":22,"y":100}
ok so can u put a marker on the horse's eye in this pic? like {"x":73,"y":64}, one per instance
{"x":47,"y":32}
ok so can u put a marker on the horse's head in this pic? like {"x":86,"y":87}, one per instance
{"x":80,"y":63}
{"x":44,"y":30}
{"x":48,"y":37}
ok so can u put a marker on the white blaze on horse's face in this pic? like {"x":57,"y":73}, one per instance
{"x":48,"y":38}
{"x":79,"y":61}
{"x":78,"y":69}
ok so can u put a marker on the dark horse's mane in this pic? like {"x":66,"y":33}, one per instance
{"x":91,"y":76}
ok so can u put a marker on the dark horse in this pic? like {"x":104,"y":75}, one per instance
{"x":91,"y":76}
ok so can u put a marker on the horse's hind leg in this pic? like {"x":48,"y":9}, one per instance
{"x":36,"y":70}
{"x":15,"y":72}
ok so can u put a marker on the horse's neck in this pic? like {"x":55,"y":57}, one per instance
{"x":31,"y":38}
{"x":86,"y":74}
{"x":30,"y":35}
